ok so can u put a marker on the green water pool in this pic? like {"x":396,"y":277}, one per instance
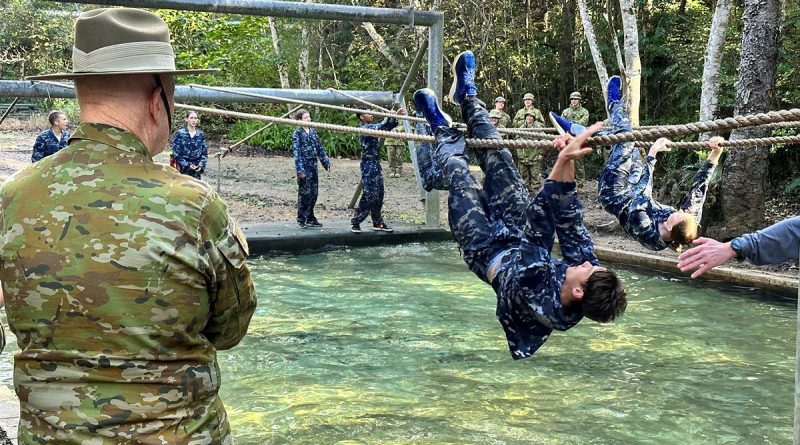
{"x":400,"y":345}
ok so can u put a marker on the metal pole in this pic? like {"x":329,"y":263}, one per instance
{"x":361,"y":101}
{"x":435,"y":63}
{"x":319,"y":11}
{"x":183,"y":93}
{"x":412,"y":149}
{"x":8,"y":110}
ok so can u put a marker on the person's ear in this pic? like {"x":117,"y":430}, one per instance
{"x":577,"y":293}
{"x":154,"y":104}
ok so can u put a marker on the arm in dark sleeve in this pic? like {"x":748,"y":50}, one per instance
{"x":777,"y":243}
{"x":573,"y":237}
{"x":297,"y":146}
{"x":232,"y":294}
{"x":323,"y":157}
{"x":696,"y":197}
{"x":38,"y":148}
{"x":178,"y":150}
{"x":387,"y":124}
{"x":203,"y":152}
{"x":645,"y":184}
{"x":540,"y":225}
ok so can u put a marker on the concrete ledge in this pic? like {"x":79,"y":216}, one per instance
{"x":9,"y":413}
{"x":284,"y":237}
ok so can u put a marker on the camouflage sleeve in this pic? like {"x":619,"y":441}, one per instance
{"x":323,"y":157}
{"x":539,"y":116}
{"x":178,"y":150}
{"x":518,"y":119}
{"x":38,"y":148}
{"x":573,"y":237}
{"x":297,"y":147}
{"x":583,"y":117}
{"x":694,"y":200}
{"x":645,"y":184}
{"x":233,"y":297}
{"x":387,"y":124}
{"x":203,"y":152}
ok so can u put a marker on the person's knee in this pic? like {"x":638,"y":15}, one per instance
{"x":456,"y":163}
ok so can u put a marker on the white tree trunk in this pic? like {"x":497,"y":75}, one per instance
{"x":276,"y":45}
{"x":591,"y":39}
{"x":633,"y":64}
{"x":383,"y":48}
{"x":709,"y":95}
{"x":302,"y":65}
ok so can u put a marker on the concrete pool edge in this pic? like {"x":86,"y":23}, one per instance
{"x":287,"y":238}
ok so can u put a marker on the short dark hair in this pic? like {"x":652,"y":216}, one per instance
{"x":53,"y":116}
{"x":684,"y":233}
{"x":299,"y":113}
{"x":604,"y":297}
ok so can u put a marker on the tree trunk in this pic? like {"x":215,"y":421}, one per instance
{"x":744,"y":175}
{"x":633,"y":64}
{"x":276,"y":45}
{"x":383,"y":48}
{"x":709,"y":95}
{"x":302,"y":65}
{"x":613,"y":33}
{"x":591,"y":39}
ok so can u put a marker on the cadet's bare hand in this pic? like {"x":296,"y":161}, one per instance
{"x":659,"y":146}
{"x":716,"y":150}
{"x":401,"y":112}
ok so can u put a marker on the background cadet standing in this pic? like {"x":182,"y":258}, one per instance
{"x":529,"y":160}
{"x":395,"y":149}
{"x":500,"y":105}
{"x":576,"y":113}
{"x":519,"y":118}
{"x":54,"y":138}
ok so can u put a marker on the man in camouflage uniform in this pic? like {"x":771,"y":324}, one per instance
{"x":496,"y":118}
{"x":519,"y":118}
{"x":575,"y":112}
{"x":499,"y":106}
{"x":395,"y":151}
{"x":506,"y":237}
{"x":123,"y":277}
{"x":529,"y":160}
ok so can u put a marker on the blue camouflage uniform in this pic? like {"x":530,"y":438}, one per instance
{"x":625,"y":188}
{"x":307,"y":149}
{"x":371,"y":201}
{"x":47,"y":143}
{"x":190,"y":150}
{"x":506,"y":238}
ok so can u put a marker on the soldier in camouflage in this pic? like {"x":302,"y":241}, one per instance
{"x":625,"y":185}
{"x":496,"y":118}
{"x":499,"y":106}
{"x":395,"y":151}
{"x":575,"y":112}
{"x":371,"y":202}
{"x":529,"y":160}
{"x":124,"y":277}
{"x":519,"y":118}
{"x":506,"y":237}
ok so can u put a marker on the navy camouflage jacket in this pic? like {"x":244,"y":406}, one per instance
{"x":307,"y":149}
{"x":370,"y":145}
{"x":190,"y":150}
{"x":47,"y":143}
{"x":640,"y":219}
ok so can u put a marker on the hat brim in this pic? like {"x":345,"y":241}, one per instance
{"x":68,"y":76}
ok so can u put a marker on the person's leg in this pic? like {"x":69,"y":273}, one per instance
{"x":377,"y":200}
{"x":362,"y":209}
{"x":302,"y":200}
{"x":313,"y":193}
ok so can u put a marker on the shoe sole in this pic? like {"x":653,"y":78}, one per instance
{"x":553,"y":120}
{"x":376,"y":229}
{"x":355,"y":231}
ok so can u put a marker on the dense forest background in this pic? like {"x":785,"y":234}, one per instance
{"x":536,"y":46}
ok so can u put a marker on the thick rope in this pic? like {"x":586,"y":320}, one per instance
{"x":491,"y":143}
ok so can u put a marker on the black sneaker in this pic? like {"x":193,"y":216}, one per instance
{"x":314,"y":224}
{"x":355,"y":228}
{"x":301,"y":225}
{"x":382,"y":228}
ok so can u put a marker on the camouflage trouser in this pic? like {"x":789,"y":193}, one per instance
{"x":624,"y":168}
{"x":188,"y":171}
{"x":307,"y":191}
{"x":531,"y":174}
{"x":395,"y":153}
{"x":371,"y":201}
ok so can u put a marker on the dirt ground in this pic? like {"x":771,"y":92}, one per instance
{"x":262,"y":188}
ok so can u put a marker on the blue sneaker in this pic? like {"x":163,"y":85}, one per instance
{"x":614,"y":89}
{"x":425,"y":101}
{"x":464,"y":69}
{"x":564,"y":125}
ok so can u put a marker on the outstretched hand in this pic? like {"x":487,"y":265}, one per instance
{"x":401,"y":112}
{"x":716,"y":150}
{"x":659,"y":146}
{"x":707,"y":254}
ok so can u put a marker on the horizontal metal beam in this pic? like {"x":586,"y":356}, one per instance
{"x":318,"y":11}
{"x":187,"y":94}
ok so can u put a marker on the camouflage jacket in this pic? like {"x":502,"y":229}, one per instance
{"x":505,"y":121}
{"x":529,"y":284}
{"x":47,"y":143}
{"x":519,"y":118}
{"x":396,"y":142}
{"x":370,"y":145}
{"x":307,"y":149}
{"x":578,"y":115}
{"x":528,"y":155}
{"x":190,"y":150}
{"x":121,"y":279}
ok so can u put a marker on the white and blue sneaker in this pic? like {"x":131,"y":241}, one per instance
{"x":464,"y":69}
{"x":564,"y":125}
{"x":425,"y":101}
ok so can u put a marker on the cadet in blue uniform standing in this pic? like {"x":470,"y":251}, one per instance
{"x":54,"y":138}
{"x":506,"y":237}
{"x":625,"y":185}
{"x":371,"y":202}
{"x":307,"y":150}
{"x":189,"y":148}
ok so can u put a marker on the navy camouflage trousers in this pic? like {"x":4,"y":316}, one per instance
{"x":623,"y":169}
{"x":371,"y":202}
{"x":307,"y":192}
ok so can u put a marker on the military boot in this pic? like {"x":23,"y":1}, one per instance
{"x":464,"y":69}
{"x":564,"y":125}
